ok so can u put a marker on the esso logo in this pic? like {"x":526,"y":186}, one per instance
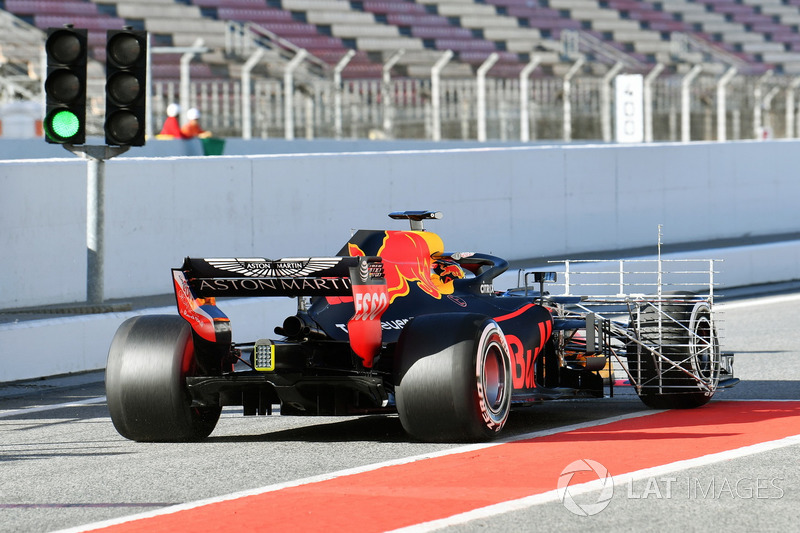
{"x":370,"y":305}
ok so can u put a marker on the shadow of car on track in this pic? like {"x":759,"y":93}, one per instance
{"x":522,"y":422}
{"x":387,"y":428}
{"x":377,"y":428}
{"x":755,"y":389}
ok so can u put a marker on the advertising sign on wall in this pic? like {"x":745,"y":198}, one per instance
{"x":629,"y":108}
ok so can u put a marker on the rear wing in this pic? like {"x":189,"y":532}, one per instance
{"x":295,"y":276}
{"x":200,"y":281}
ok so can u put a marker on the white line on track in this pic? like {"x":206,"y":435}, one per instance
{"x":767,"y":300}
{"x":40,"y":408}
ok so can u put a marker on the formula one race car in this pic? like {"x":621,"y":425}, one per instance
{"x":396,"y":324}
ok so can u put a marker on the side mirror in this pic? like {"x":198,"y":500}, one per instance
{"x":541,"y":278}
{"x":545,"y":277}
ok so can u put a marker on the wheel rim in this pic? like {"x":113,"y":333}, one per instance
{"x":493,"y":378}
{"x":704,"y":349}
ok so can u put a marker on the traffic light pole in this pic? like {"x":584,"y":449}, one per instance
{"x":126,"y":90}
{"x":96,"y":156}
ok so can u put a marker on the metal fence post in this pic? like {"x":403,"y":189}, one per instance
{"x":648,"y":101}
{"x":185,"y":70}
{"x":722,"y":103}
{"x":790,"y":111}
{"x":185,"y":83}
{"x":288,"y":93}
{"x":567,"y":96}
{"x":605,"y":101}
{"x":686,"y":102}
{"x":386,"y":92}
{"x":524,"y":89}
{"x":337,"y":95}
{"x":436,"y":71}
{"x":758,"y":101}
{"x":247,"y":119}
{"x":481,"y":89}
{"x":768,"y":108}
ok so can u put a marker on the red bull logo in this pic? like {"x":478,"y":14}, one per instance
{"x":447,"y":271}
{"x":407,"y":260}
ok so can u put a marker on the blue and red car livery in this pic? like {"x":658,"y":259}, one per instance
{"x":393,"y":323}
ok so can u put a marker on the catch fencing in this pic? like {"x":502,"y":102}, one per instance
{"x":746,"y":107}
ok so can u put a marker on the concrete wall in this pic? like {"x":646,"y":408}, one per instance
{"x":63,"y":345}
{"x":514,"y":202}
{"x":42,"y":232}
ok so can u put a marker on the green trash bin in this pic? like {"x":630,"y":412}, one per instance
{"x":213,"y":146}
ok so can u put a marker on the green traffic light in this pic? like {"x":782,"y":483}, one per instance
{"x":64,"y":124}
{"x":65,"y":85}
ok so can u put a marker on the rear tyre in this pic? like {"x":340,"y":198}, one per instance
{"x":453,"y":378}
{"x":148,"y":361}
{"x":689,"y":340}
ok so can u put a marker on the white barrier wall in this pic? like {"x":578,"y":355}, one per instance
{"x":515,"y":202}
{"x":42,"y":232}
{"x":64,"y":345}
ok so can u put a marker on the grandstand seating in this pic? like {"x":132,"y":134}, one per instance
{"x":729,"y":35}
{"x":84,"y":14}
{"x":20,"y":55}
{"x":762,"y":33}
{"x":368,"y":29}
{"x":768,"y":39}
{"x":472,"y":31}
{"x":55,"y":13}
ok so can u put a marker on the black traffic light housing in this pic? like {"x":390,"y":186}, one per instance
{"x":65,"y":86}
{"x":126,"y":83}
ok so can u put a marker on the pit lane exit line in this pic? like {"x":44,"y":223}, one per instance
{"x":766,"y":300}
{"x":40,"y":408}
{"x":448,"y":485}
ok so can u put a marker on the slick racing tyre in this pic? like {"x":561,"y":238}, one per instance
{"x":688,"y":339}
{"x":453,"y":378}
{"x":148,"y":361}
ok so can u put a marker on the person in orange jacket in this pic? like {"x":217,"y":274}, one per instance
{"x":193,"y":128}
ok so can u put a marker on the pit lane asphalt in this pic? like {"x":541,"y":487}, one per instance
{"x":65,"y":465}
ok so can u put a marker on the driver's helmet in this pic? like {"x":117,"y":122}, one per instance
{"x":445,"y":271}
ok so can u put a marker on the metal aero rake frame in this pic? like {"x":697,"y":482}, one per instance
{"x":609,"y":298}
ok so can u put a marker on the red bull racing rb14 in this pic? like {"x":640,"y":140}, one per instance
{"x":395,"y":324}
